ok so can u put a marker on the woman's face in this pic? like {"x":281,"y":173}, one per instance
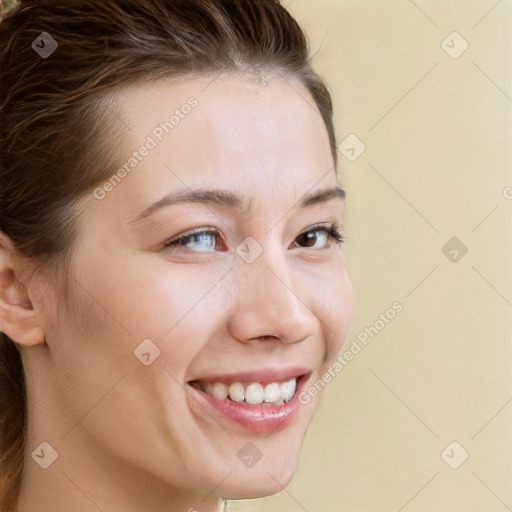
{"x":161,"y":319}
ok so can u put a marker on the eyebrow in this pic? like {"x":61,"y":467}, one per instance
{"x":217,"y":197}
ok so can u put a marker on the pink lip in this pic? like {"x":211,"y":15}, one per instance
{"x":257,"y":418}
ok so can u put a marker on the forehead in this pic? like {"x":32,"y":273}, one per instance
{"x":265,"y":137}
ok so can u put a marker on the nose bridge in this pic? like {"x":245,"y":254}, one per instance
{"x":269,"y":281}
{"x":268,"y":304}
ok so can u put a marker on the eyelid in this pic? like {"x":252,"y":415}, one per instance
{"x":320,"y":225}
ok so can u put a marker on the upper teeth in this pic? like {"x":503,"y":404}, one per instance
{"x":275,"y":393}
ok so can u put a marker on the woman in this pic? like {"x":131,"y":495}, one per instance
{"x":171,"y":274}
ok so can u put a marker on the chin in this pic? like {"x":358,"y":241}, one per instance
{"x":258,"y":482}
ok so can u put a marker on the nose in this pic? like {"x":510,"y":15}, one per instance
{"x":268,"y":303}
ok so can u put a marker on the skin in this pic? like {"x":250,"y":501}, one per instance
{"x":129,"y":437}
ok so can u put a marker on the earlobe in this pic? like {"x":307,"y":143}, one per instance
{"x":19,"y":324}
{"x":17,"y":317}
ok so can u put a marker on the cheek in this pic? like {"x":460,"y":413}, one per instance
{"x":167,"y":297}
{"x":333,"y":304}
{"x":144,"y":294}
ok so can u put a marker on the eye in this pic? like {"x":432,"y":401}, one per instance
{"x":319,"y":237}
{"x":199,"y":241}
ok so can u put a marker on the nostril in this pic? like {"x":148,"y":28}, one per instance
{"x":269,"y":337}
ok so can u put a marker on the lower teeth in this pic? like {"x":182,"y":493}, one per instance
{"x":281,"y":402}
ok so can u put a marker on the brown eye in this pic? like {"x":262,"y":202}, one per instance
{"x":319,"y":238}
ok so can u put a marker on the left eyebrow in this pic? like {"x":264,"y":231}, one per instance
{"x":230,"y":199}
{"x":323,"y":196}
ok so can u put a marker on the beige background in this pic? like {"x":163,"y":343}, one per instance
{"x":437,"y":132}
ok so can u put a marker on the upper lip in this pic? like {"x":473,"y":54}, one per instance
{"x":263,"y":376}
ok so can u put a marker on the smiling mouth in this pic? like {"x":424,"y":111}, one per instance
{"x":261,"y":401}
{"x":251,"y":393}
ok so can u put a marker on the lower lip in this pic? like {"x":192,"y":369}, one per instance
{"x":258,"y":418}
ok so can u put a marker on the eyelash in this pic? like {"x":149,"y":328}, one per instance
{"x":333,"y":231}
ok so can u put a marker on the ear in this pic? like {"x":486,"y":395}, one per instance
{"x":17,"y":317}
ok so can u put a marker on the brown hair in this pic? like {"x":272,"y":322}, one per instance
{"x":55,"y":124}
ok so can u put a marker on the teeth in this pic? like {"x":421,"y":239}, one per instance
{"x":274,"y":393}
{"x":254,"y":393}
{"x":220,"y":390}
{"x":288,"y":389}
{"x":236,"y":392}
